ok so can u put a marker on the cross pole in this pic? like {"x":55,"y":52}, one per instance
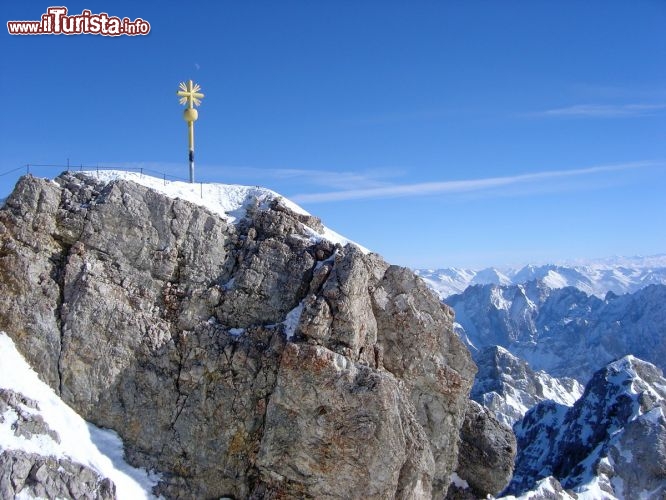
{"x":190,"y":96}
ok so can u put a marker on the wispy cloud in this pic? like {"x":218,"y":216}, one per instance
{"x":463,"y":186}
{"x":335,"y":179}
{"x":603,"y":110}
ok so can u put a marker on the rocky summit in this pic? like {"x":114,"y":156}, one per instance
{"x":610,"y":444}
{"x":506,"y":385}
{"x":238,"y":352}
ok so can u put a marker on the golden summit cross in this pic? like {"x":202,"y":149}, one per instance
{"x":189,"y":93}
{"x":190,"y":96}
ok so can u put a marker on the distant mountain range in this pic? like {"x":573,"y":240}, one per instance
{"x":573,"y":443}
{"x":618,"y":275}
{"x":563,"y":331}
{"x":537,"y":333}
{"x":605,"y":441}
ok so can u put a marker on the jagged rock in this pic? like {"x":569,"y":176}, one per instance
{"x":507,"y":385}
{"x":30,"y":260}
{"x":436,"y":368}
{"x":345,"y":297}
{"x":613,"y":440}
{"x":159,"y":319}
{"x":548,"y":488}
{"x":487,"y":450}
{"x":326,"y":416}
{"x":564,"y":331}
{"x":27,"y":423}
{"x":27,"y":475}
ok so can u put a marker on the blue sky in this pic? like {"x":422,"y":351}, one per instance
{"x":435,"y":133}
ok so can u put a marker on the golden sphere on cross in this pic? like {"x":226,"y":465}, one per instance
{"x":190,"y":114}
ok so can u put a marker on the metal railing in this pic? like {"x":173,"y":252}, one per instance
{"x":80,"y":167}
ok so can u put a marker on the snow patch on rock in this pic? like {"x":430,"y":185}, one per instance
{"x":230,"y":201}
{"x":75,"y":439}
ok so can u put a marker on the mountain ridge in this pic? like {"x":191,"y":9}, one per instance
{"x":507,"y":385}
{"x":609,"y":444}
{"x":619,"y":275}
{"x":250,"y":357}
{"x":563,"y":331}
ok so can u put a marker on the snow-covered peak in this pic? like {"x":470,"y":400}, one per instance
{"x":490,"y":275}
{"x":625,"y":363}
{"x":507,"y":385}
{"x":637,"y":377}
{"x":227,"y":200}
{"x":610,"y":441}
{"x":447,"y":281}
{"x":563,"y":331}
{"x":617,"y":275}
{"x":230,"y":201}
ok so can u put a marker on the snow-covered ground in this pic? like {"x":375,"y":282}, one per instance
{"x":80,"y":441}
{"x":230,"y":201}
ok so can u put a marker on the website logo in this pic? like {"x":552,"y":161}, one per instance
{"x":56,"y":21}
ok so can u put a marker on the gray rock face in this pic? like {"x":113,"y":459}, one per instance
{"x":487,"y":450}
{"x":329,"y":415}
{"x":35,"y":476}
{"x":158,"y":319}
{"x":434,"y":367}
{"x":613,"y":439}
